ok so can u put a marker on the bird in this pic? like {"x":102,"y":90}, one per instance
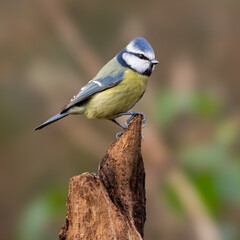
{"x":116,"y":88}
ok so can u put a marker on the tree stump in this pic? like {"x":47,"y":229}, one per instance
{"x":110,"y":204}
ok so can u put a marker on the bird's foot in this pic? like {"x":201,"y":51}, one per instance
{"x":133,"y":115}
{"x":125,"y":126}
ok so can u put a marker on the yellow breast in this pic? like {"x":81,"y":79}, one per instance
{"x":120,"y":98}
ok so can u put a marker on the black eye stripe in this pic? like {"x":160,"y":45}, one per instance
{"x":140,"y":55}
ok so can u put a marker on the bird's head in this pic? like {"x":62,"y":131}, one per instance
{"x":139,"y":56}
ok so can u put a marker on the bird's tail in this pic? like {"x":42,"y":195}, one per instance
{"x":51,"y":120}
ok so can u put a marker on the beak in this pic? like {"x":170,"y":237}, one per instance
{"x":154,"y":61}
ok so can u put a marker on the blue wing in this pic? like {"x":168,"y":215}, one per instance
{"x":94,"y":86}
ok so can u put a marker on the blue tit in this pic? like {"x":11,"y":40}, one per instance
{"x":117,"y":87}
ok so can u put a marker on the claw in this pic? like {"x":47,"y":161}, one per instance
{"x":143,"y":122}
{"x":118,"y":135}
{"x":128,"y":121}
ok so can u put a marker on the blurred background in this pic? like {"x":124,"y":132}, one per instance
{"x":51,"y":48}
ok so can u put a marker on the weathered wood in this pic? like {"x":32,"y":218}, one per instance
{"x":110,"y":204}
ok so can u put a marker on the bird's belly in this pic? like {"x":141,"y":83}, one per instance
{"x":120,"y":98}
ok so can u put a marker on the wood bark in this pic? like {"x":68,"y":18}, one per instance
{"x":110,"y":204}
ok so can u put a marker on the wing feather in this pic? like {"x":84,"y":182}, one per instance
{"x":94,"y":86}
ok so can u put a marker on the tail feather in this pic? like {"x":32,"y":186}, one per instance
{"x":51,"y":120}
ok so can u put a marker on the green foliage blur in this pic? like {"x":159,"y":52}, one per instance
{"x":50,"y":49}
{"x":212,"y":161}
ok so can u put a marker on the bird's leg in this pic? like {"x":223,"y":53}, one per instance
{"x":132,"y":116}
{"x":120,"y":125}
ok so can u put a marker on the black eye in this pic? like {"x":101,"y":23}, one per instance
{"x":141,"y":56}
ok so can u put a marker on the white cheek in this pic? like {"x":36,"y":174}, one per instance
{"x":139,"y":65}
